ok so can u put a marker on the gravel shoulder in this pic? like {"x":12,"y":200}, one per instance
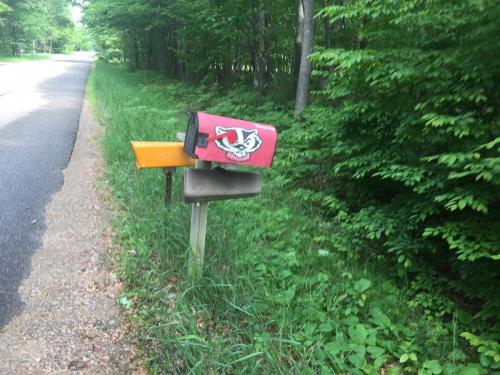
{"x":71,"y":322}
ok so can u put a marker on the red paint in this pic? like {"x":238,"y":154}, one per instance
{"x":231,"y":136}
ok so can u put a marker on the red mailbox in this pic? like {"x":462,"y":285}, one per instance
{"x":228,"y":140}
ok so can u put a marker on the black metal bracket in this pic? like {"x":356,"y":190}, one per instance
{"x":168,"y":184}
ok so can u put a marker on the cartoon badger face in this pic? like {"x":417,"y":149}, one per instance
{"x":247,"y":141}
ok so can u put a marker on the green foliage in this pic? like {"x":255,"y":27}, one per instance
{"x":81,"y":39}
{"x":4,"y":7}
{"x":216,"y":40}
{"x":35,"y":26}
{"x":278,"y":295}
{"x":407,"y":159}
{"x":488,"y":349}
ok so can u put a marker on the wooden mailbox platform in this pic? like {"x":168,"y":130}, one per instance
{"x":203,"y":185}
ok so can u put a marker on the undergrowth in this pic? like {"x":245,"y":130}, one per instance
{"x":276,"y":296}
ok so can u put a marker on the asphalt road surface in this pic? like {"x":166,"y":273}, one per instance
{"x":40,"y":105}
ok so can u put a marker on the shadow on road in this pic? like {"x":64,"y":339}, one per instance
{"x":34,"y":150}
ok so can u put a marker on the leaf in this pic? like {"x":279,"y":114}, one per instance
{"x":379,"y":362}
{"x":362,"y":285}
{"x":326,"y":327}
{"x":404,"y":358}
{"x":358,"y":333}
{"x":249,"y":356}
{"x":323,"y":252}
{"x":470,"y":370}
{"x":124,"y":301}
{"x":357,"y":357}
{"x":284,"y":274}
{"x":334,"y":347}
{"x":380,"y":318}
{"x":375,"y":351}
{"x":433,"y":366}
{"x":287,"y":296}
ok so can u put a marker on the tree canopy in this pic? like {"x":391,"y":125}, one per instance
{"x":35,"y":26}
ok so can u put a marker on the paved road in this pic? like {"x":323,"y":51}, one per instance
{"x":40,"y":104}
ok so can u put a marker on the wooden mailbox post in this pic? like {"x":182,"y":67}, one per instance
{"x":198,"y":232}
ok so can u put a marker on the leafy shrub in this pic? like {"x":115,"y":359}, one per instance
{"x":405,"y":153}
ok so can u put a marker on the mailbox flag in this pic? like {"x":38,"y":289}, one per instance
{"x":160,"y":155}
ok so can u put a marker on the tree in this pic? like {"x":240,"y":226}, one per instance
{"x":36,"y":25}
{"x":3,"y":7}
{"x":219,"y":40}
{"x":305,"y":63}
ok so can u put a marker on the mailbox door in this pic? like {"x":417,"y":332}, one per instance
{"x":228,"y":140}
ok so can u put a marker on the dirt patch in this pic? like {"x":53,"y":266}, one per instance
{"x":71,"y":322}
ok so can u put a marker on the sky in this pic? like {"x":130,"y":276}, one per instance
{"x":76,"y":14}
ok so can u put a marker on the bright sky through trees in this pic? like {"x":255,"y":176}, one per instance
{"x":76,"y":15}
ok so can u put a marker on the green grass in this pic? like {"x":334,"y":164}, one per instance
{"x":276,"y":297}
{"x":24,"y":58}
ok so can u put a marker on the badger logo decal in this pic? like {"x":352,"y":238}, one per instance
{"x":247,"y":141}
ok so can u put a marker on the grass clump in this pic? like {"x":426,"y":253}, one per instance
{"x":24,"y":58}
{"x":277,"y":296}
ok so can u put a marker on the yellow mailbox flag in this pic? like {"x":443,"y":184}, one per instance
{"x":161,"y":155}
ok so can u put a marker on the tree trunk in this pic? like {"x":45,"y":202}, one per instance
{"x":326,"y":25}
{"x":150,"y":53}
{"x":137,"y":58}
{"x":299,"y":35}
{"x":162,"y":51}
{"x":305,"y":63}
{"x":260,"y":78}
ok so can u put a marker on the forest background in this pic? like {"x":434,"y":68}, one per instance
{"x":39,"y":26}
